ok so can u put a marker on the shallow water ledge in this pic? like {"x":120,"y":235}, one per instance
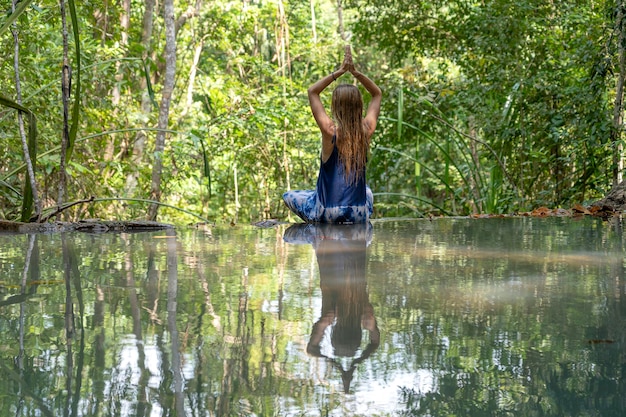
{"x":91,"y":225}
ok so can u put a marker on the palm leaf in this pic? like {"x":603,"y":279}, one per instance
{"x":21,"y":8}
{"x":146,"y":73}
{"x":10,"y":188}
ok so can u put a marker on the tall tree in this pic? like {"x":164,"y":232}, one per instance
{"x":65,"y":96}
{"x":116,"y":94}
{"x":618,"y":107}
{"x":164,"y":109}
{"x":29,"y":154}
{"x":138,"y":145}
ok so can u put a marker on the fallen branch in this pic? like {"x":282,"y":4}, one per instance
{"x":64,"y":207}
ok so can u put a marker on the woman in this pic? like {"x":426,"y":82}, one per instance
{"x":341,"y":194}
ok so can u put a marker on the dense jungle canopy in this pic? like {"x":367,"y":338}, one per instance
{"x":489,"y":106}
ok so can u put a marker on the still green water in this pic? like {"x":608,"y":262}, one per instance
{"x":450,"y":317}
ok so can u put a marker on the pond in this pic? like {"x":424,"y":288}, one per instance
{"x":442,"y":317}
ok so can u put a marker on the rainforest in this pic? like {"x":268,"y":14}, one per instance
{"x":196,"y":111}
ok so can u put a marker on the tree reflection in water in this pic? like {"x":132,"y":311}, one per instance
{"x":341,"y":252}
{"x":501,"y":317}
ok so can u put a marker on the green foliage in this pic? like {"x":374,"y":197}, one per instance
{"x":492,"y":107}
{"x":528,"y":81}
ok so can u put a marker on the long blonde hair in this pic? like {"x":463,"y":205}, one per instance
{"x":352,"y":140}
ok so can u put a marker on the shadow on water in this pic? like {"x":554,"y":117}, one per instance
{"x":341,"y":252}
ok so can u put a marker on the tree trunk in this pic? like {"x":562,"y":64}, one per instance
{"x":166,"y":97}
{"x":146,"y":27}
{"x":192,"y":77}
{"x":618,"y":110}
{"x":116,"y":94}
{"x":236,"y":181}
{"x":101,"y":22}
{"x":340,"y":19}
{"x":313,"y":22}
{"x":146,"y":101}
{"x":476,"y":204}
{"x":65,"y":96}
{"x":284,"y":64}
{"x":28,"y":158}
{"x":100,"y":28}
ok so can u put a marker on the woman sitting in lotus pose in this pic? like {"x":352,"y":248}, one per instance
{"x":341,"y":194}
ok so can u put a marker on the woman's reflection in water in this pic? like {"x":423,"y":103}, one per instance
{"x":346,"y":310}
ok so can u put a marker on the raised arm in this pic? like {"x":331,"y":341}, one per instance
{"x":373,"y":109}
{"x":324,"y":121}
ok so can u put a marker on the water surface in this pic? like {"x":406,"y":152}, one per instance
{"x":466,"y":317}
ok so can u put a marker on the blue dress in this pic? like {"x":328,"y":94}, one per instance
{"x":334,"y":200}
